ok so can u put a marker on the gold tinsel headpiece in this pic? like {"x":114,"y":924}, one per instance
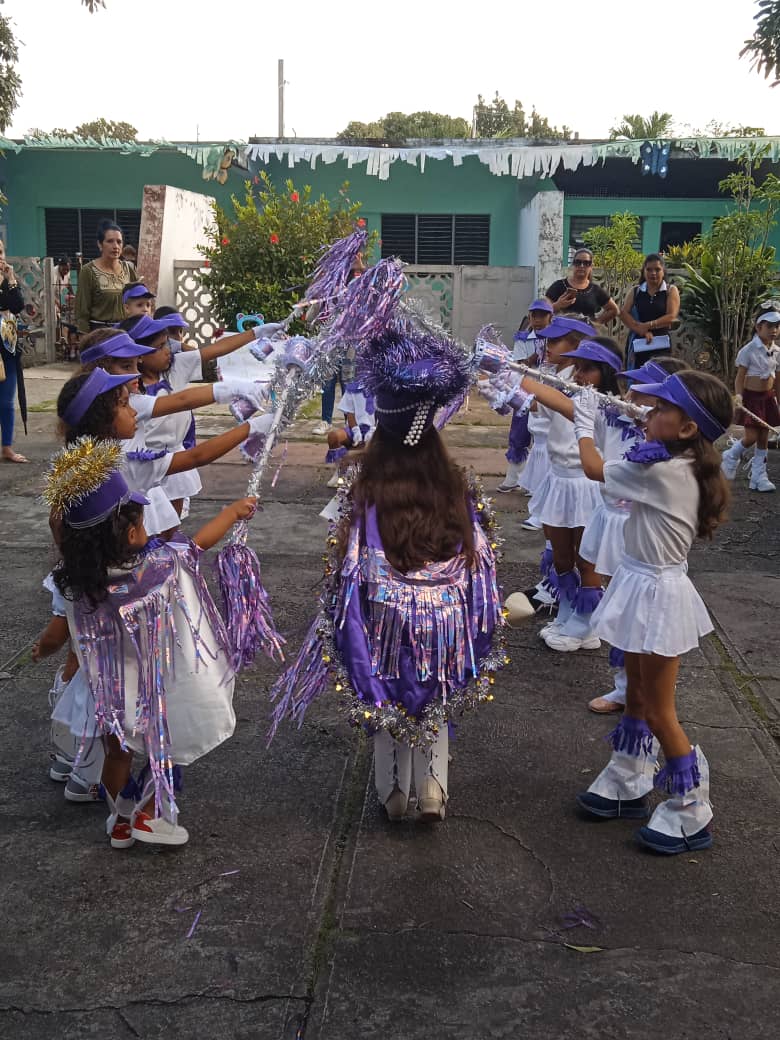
{"x":78,"y":471}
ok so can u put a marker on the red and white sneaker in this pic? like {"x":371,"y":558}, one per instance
{"x":156,"y":830}
{"x":122,"y":835}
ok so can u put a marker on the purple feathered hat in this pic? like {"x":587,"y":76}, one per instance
{"x":411,"y":374}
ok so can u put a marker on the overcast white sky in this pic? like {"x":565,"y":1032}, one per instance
{"x":171,"y":66}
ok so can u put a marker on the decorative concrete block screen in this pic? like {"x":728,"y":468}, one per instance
{"x":193,"y":301}
{"x":36,"y":279}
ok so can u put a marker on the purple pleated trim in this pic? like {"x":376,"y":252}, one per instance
{"x":335,"y":454}
{"x":647,"y":452}
{"x":517,"y":457}
{"x":519,"y":439}
{"x":617,"y":658}
{"x":587,"y":599}
{"x":631,"y":736}
{"x":679,"y":775}
{"x":546,"y":562}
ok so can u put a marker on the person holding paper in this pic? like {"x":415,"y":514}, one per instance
{"x":649,"y":311}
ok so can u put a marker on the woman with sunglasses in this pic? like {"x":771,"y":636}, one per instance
{"x":580,"y":294}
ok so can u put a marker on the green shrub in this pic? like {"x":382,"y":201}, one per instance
{"x":261,"y":257}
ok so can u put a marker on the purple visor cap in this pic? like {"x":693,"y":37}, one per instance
{"x":119,"y":346}
{"x":676,"y":392}
{"x":97,"y":382}
{"x":137,"y":292}
{"x":172,"y":321}
{"x":650,"y":372}
{"x":542,"y":305}
{"x":587,"y":350}
{"x":562,"y":326}
{"x":145,"y":328}
{"x":100,"y":504}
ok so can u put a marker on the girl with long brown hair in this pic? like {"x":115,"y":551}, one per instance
{"x":410,"y":611}
{"x":651,"y":609}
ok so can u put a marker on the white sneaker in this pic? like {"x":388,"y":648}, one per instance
{"x":568,"y":644}
{"x":156,"y":830}
{"x":532,"y":524}
{"x":759,"y":481}
{"x":549,"y":628}
{"x":430,"y":801}
{"x":334,"y":479}
{"x":322,"y":427}
{"x":506,"y":488}
{"x":78,"y":790}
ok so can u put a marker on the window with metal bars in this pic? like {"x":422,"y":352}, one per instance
{"x":428,"y":238}
{"x":579,"y":225}
{"x":71,"y":231}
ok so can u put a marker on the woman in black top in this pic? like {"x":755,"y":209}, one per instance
{"x":649,"y":311}
{"x":11,"y":304}
{"x":579,"y":293}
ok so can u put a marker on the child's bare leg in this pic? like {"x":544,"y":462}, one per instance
{"x":178,"y":504}
{"x":116,"y":768}
{"x":659,"y":680}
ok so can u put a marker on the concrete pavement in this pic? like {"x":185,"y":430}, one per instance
{"x":337,"y":925}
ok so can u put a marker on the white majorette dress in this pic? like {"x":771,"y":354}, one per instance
{"x":169,"y":432}
{"x":651,"y":605}
{"x":145,"y":469}
{"x":565,"y":497}
{"x":355,"y":402}
{"x":602,"y":541}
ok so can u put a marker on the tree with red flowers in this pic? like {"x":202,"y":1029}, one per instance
{"x":261,"y":256}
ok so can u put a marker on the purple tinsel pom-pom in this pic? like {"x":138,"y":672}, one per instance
{"x":368,"y":304}
{"x":333,"y":270}
{"x":248,"y":620}
{"x":391,"y":364}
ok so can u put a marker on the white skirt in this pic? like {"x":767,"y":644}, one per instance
{"x":76,"y":708}
{"x":181,"y":485}
{"x":649,"y":609}
{"x":537,"y":465}
{"x":565,"y":498}
{"x":159,"y":515}
{"x":602,"y":541}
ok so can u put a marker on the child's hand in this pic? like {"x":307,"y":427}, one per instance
{"x":244,"y":508}
{"x":36,"y":651}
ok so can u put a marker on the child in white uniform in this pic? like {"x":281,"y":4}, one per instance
{"x":358,"y":411}
{"x":651,"y":608}
{"x":756,"y":366}
{"x":565,"y":501}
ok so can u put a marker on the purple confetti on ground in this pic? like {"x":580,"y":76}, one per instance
{"x":191,"y":932}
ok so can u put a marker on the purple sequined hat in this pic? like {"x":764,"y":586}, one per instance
{"x":411,"y":374}
{"x":93,"y":508}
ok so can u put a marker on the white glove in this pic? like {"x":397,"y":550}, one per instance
{"x":737,"y":400}
{"x":260,"y":424}
{"x":357,"y":436}
{"x":267,"y":331}
{"x":227,"y":389}
{"x":586,"y":405}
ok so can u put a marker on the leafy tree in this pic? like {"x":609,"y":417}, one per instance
{"x":118,"y":131}
{"x":736,"y":269}
{"x":615,"y":256}
{"x":763,"y":48}
{"x":639,"y":128}
{"x":10,"y":83}
{"x":497,"y":119}
{"x":398,"y":126}
{"x":261,"y":256}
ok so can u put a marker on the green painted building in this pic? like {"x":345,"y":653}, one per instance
{"x":500,"y":203}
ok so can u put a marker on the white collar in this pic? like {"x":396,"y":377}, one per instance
{"x":663,"y":287}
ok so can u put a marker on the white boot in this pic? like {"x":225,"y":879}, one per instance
{"x":392,"y":773}
{"x":616,"y":696}
{"x":679,"y":824}
{"x":512,"y":478}
{"x":430,"y":777}
{"x":759,"y":481}
{"x":730,"y":461}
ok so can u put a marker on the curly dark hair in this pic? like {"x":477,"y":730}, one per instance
{"x":421,"y":500}
{"x":714,"y":493}
{"x":97,"y":421}
{"x":89,"y":553}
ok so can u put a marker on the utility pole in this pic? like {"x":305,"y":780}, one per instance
{"x":281,"y":98}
